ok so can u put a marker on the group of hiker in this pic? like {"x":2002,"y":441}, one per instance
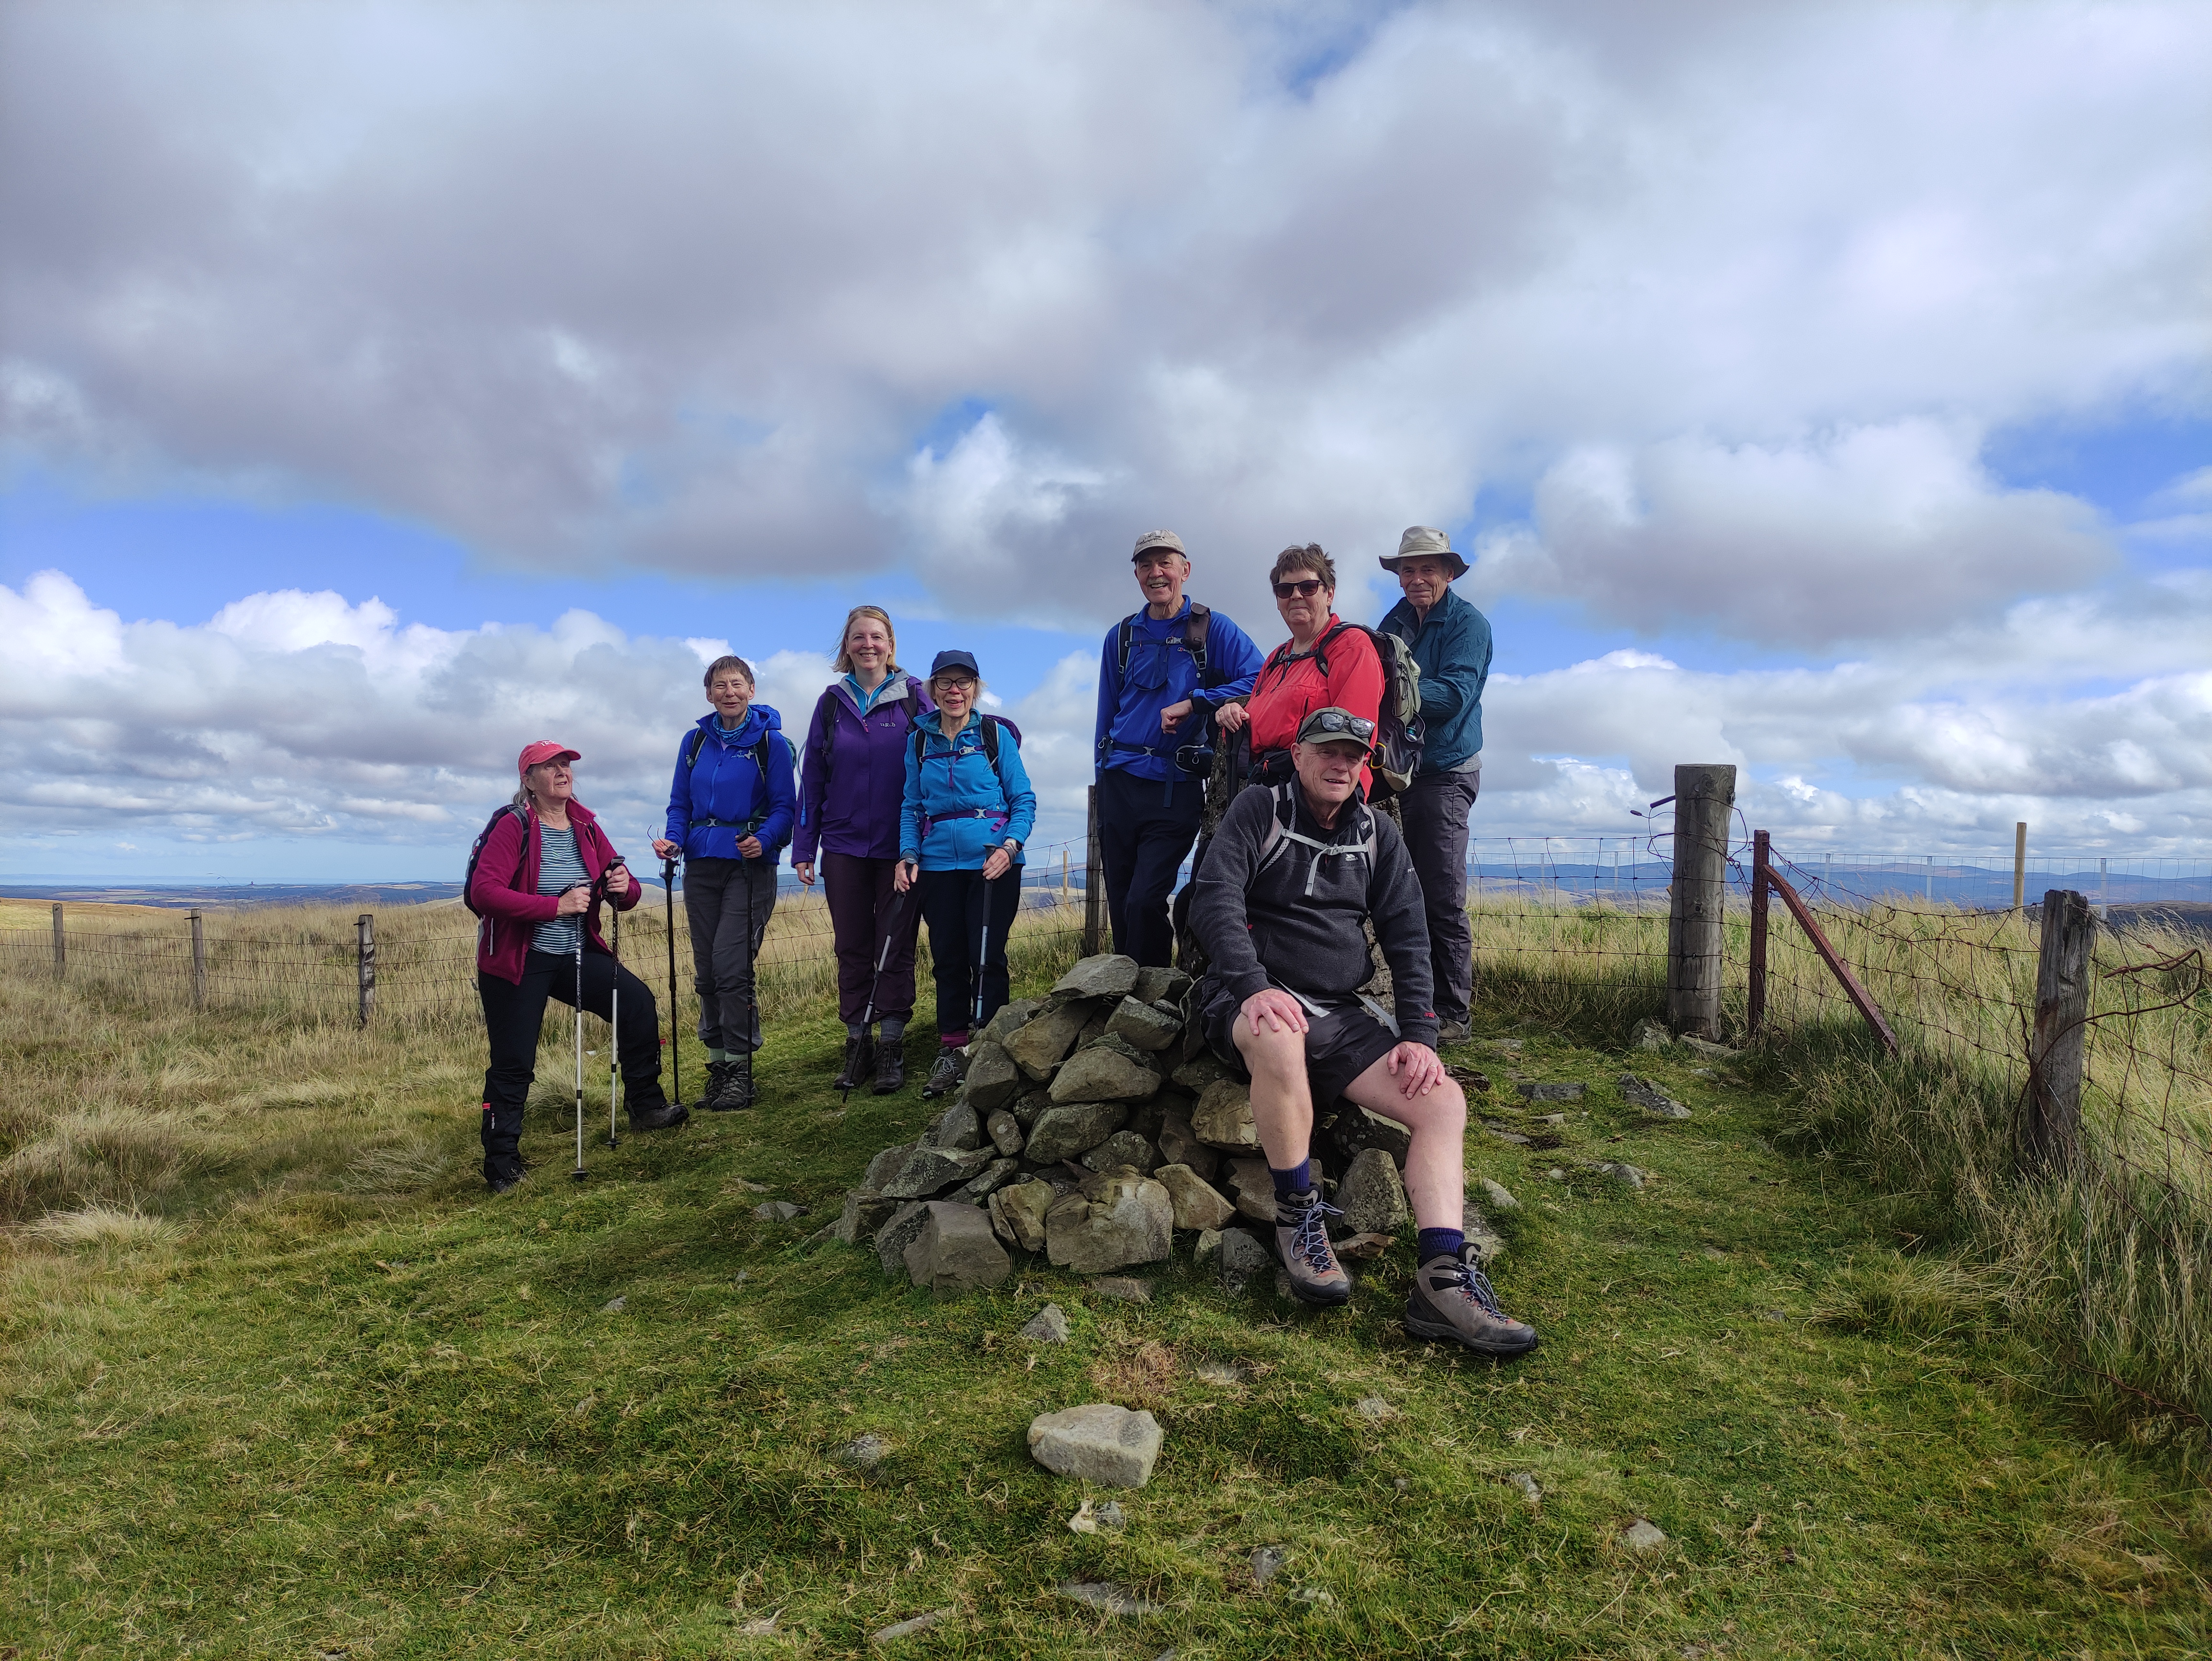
{"x":909,"y":805}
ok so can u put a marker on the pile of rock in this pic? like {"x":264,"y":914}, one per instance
{"x":1094,"y":1125}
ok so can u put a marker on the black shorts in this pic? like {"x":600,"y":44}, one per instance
{"x":1339,"y":1045}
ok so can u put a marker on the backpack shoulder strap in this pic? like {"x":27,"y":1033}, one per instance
{"x":990,"y":740}
{"x":1194,"y":638}
{"x":1125,"y":636}
{"x":698,"y":743}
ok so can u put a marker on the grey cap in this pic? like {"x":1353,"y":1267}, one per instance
{"x":1425,"y":540}
{"x":1152,"y":539}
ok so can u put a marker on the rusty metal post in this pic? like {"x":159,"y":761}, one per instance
{"x":364,"y":956}
{"x":1094,"y":886}
{"x":2050,"y":1136}
{"x":200,"y":964}
{"x":1760,"y":857}
{"x":1704,"y":798}
{"x":61,"y":945}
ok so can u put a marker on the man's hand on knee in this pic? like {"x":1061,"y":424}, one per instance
{"x":1270,"y":1011}
{"x":1418,"y":1068}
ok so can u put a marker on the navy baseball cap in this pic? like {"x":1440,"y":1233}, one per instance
{"x":952,"y":659}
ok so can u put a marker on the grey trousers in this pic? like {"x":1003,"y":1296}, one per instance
{"x":729,"y":903}
{"x":1435,"y":813}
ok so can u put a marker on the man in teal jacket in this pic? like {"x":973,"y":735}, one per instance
{"x":1451,"y":642}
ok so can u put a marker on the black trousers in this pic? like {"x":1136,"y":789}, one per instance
{"x":1146,"y":827}
{"x":729,"y":903}
{"x":514,"y":1014}
{"x":1434,"y":811}
{"x":968,"y":920}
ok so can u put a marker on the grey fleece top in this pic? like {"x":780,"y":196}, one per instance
{"x":1265,"y":929}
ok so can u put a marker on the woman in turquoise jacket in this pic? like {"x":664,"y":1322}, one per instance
{"x":968,"y":809}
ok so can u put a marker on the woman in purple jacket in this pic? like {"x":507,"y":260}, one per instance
{"x":852,"y":774}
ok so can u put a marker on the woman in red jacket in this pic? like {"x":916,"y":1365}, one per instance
{"x":539,"y":879}
{"x":1325,"y":662}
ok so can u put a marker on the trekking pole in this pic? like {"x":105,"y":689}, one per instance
{"x":896,"y":920}
{"x":577,"y":1175}
{"x":614,"y":1027}
{"x":982,"y":956}
{"x":675,"y":1032}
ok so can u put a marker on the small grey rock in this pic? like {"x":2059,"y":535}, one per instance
{"x":1233,"y":1255}
{"x":1012,"y":1016}
{"x":1048,"y":1326}
{"x":992,"y":1177}
{"x":956,"y":1251}
{"x":1621,"y":1171}
{"x":1253,"y":1189}
{"x":1643,"y":1535}
{"x":1155,"y":984}
{"x":1018,"y":1212}
{"x":1656,"y":1102}
{"x":1370,"y":1195}
{"x":1372,"y":1406}
{"x":1123,"y":1148}
{"x":865,"y":1211}
{"x":1201,"y":1071}
{"x":1107,"y":976}
{"x":1108,"y":1599}
{"x":1143,"y":1025}
{"x":886,"y":1166}
{"x":957,"y":1128}
{"x":1357,"y":1130}
{"x":897,"y":1233}
{"x":1497,"y":1195}
{"x":919,"y":1624}
{"x":1506,"y":1046}
{"x":1069,"y":1132}
{"x":1179,"y":1145}
{"x":1719,"y":1052}
{"x":1267,"y":1562}
{"x":1005,"y":1133}
{"x":1121,"y":1289}
{"x":1098,"y":1442}
{"x":614,"y":1305}
{"x":992,"y":1078}
{"x":1526,"y":1481}
{"x":1198,"y":1204}
{"x":1103,"y":1073}
{"x":1553,"y":1092}
{"x":864,"y":1452}
{"x":1040,"y":1045}
{"x":1223,"y":1118}
{"x":1649,"y":1035}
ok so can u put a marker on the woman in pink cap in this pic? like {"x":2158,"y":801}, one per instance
{"x":540,"y":871}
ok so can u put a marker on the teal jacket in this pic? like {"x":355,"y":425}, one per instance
{"x":1452,"y":645}
{"x":957,"y":806}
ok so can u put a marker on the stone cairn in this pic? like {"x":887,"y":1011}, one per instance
{"x":1095,"y":1125}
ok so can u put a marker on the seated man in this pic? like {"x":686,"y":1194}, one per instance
{"x":1293,"y":874}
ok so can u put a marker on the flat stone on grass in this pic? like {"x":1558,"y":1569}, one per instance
{"x":1233,"y":1255}
{"x":1109,"y":1599}
{"x":1098,"y":1442}
{"x":1048,"y":1326}
{"x":1656,"y":1102}
{"x":1643,"y":1535}
{"x":912,"y":1628}
{"x":1553,"y":1092}
{"x":1122,"y":1289}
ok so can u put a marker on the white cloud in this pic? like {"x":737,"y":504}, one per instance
{"x":573,"y":285}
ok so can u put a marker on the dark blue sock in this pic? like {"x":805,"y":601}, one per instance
{"x":1439,"y":1243}
{"x":1296,"y":1180}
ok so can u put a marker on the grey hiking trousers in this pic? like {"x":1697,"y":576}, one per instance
{"x":729,"y":903}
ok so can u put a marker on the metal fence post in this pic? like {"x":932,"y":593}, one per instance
{"x":2050,"y":1136}
{"x":1761,"y":856}
{"x":1704,"y":797}
{"x":61,"y":945}
{"x":200,"y":964}
{"x":1094,"y":886}
{"x":364,"y":952}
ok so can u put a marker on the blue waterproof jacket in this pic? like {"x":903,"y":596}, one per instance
{"x":1161,"y":673}
{"x":1452,"y":645}
{"x":958,"y":809}
{"x":713,"y":799}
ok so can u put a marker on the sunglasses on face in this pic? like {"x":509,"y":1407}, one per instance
{"x":1350,"y":726}
{"x":1306,"y":590}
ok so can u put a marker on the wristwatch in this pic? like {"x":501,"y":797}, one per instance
{"x":1012,"y":847}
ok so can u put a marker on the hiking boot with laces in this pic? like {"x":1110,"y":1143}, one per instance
{"x":890,"y":1069}
{"x":1452,"y":1298}
{"x":734,"y":1091}
{"x":1302,"y":1242}
{"x":860,"y":1056}
{"x":943,"y":1077}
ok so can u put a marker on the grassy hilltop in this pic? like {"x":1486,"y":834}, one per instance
{"x":281,"y":1379}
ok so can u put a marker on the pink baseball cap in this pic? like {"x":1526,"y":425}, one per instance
{"x":535,"y":755}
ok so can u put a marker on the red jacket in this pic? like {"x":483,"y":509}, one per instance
{"x":505,"y":891}
{"x":1290,"y":688}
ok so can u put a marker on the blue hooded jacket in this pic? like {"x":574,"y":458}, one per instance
{"x":1127,"y":733}
{"x":1452,"y":645}
{"x":725,"y":785}
{"x":954,"y":779}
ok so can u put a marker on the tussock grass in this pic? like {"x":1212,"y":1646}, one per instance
{"x":101,"y":1226}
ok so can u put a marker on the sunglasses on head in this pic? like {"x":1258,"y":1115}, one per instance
{"x":1304,"y":590}
{"x":1329,"y":721}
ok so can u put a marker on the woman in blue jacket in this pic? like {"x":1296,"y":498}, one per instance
{"x":730,"y":814}
{"x":968,"y":809}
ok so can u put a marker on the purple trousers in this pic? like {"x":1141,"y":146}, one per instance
{"x":861,"y":898}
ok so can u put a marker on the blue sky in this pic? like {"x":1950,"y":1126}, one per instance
{"x":1824,"y":392}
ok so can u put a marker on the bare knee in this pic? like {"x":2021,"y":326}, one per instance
{"x":1275,"y":1053}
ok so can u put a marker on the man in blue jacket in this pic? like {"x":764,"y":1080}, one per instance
{"x":1451,"y":642}
{"x":1165,"y":670}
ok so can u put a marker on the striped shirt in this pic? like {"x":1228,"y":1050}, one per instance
{"x":559,"y":869}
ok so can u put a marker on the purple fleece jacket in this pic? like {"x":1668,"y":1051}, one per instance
{"x":853,"y":774}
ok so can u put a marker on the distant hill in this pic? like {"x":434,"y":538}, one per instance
{"x":247,"y":894}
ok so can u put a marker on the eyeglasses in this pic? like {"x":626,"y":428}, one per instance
{"x":1304,"y":590}
{"x":1328,"y":720}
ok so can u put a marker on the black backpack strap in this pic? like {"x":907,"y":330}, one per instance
{"x":991,"y":741}
{"x":1193,"y":639}
{"x":698,"y":743}
{"x":1126,"y":636}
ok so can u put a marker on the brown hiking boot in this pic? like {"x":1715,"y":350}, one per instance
{"x":1452,"y":1298}
{"x":1302,"y":1242}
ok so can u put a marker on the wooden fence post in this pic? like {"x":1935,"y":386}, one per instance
{"x":2050,"y":1138}
{"x":1094,"y":886}
{"x":1705,"y":800}
{"x":1761,"y":854}
{"x":200,"y":964}
{"x":61,"y":945}
{"x":364,"y":955}
{"x":2019,"y":865}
